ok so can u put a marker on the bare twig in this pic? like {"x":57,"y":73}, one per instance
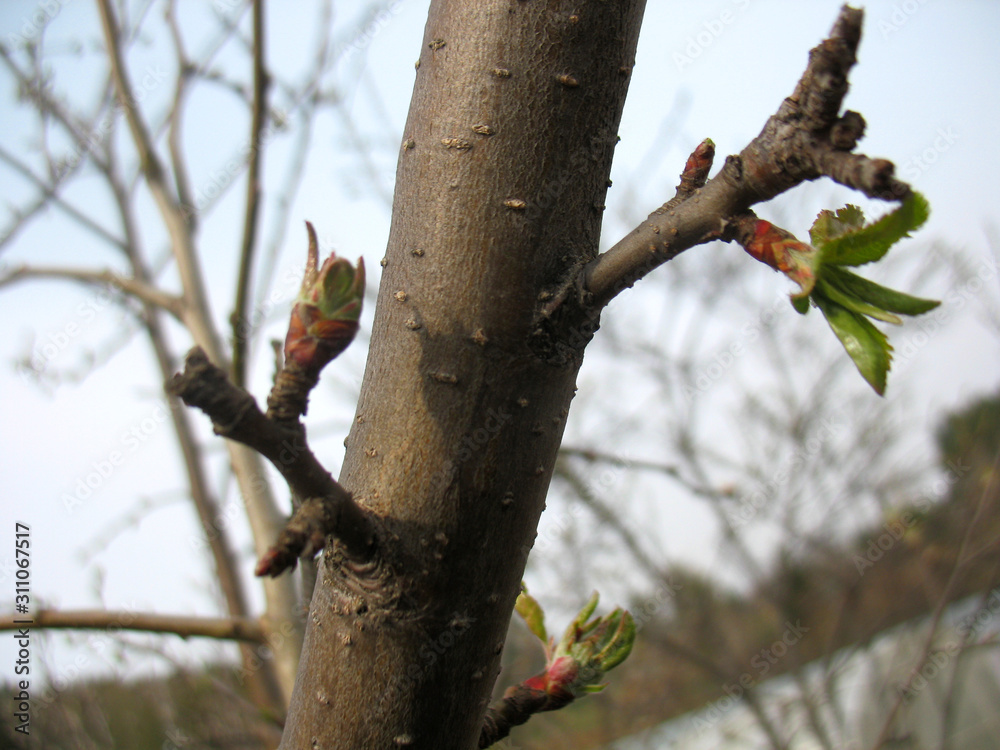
{"x":518,"y":704}
{"x":49,"y":195}
{"x":805,"y":139}
{"x":222,"y":628}
{"x":611,"y":520}
{"x":305,"y":107}
{"x":258,"y":121}
{"x":262,"y":512}
{"x":176,"y":119}
{"x":47,"y":105}
{"x":196,"y":314}
{"x":718,"y":672}
{"x":593,"y":456}
{"x":137,"y":288}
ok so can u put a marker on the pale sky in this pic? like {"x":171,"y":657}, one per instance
{"x":927,"y":84}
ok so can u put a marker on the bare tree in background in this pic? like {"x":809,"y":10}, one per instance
{"x":151,"y":162}
{"x":492,"y":288}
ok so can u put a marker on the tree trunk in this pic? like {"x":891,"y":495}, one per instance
{"x":499,"y":196}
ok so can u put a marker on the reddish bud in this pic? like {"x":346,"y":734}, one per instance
{"x":325,"y":315}
{"x":783,"y":252}
{"x":698,"y":165}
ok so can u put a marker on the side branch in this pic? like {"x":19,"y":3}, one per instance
{"x":133,"y":287}
{"x":805,"y":139}
{"x":258,"y":121}
{"x":329,"y":508}
{"x":222,"y":628}
{"x":574,"y":666}
{"x":519,"y":703}
{"x":197,"y":315}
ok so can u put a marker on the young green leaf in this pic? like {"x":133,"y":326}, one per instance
{"x":841,"y":238}
{"x":866,"y":345}
{"x":878,"y":295}
{"x":829,"y":225}
{"x":801,"y":303}
{"x":855,"y":304}
{"x":532,"y":613}
{"x":869,"y":243}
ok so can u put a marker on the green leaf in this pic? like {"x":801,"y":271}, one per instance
{"x":865,"y":344}
{"x":801,"y":303}
{"x":829,"y":225}
{"x":532,"y":613}
{"x":871,"y":242}
{"x":580,"y":621}
{"x":854,"y":304}
{"x":878,"y":295}
{"x":619,"y":644}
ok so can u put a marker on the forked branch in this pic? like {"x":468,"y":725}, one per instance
{"x":327,"y":509}
{"x":323,"y":323}
{"x":805,"y":139}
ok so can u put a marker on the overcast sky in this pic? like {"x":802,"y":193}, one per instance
{"x":927,"y":84}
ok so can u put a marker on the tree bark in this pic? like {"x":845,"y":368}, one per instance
{"x":500,"y":190}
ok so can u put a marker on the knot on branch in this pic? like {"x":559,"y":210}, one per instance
{"x":847,"y":131}
{"x":808,"y":137}
{"x":303,"y":536}
{"x":207,"y":387}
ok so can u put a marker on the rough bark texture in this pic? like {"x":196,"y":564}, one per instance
{"x":465,"y":397}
